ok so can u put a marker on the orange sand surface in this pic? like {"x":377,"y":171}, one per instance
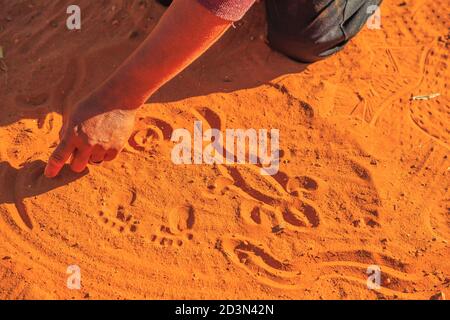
{"x":364,"y":176}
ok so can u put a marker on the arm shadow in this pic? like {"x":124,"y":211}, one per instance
{"x":240,"y":60}
{"x":58,"y":79}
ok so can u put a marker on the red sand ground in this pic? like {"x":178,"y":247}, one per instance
{"x":363,"y":181}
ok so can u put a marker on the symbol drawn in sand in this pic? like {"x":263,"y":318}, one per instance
{"x":435,"y":211}
{"x":152,"y":130}
{"x":181,"y":222}
{"x":429,"y":116}
{"x":209,"y":116}
{"x":260,"y":263}
{"x":279,"y":197}
{"x":396,"y":276}
{"x":120,"y":221}
{"x":366,"y":195}
{"x":33,"y":100}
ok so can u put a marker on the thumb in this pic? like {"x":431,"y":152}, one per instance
{"x":58,"y":158}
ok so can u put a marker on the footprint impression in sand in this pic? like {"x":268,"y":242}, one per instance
{"x":181,"y":221}
{"x":119,"y":220}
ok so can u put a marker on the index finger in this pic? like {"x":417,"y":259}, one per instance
{"x":58,"y":158}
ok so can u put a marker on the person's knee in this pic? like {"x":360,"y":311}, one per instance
{"x":305,"y":48}
{"x":315,"y":32}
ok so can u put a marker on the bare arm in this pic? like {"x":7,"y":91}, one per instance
{"x":98,"y":127}
{"x":183,"y":34}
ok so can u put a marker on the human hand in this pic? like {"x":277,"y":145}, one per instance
{"x":92,"y":133}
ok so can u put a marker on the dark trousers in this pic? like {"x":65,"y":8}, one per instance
{"x":311,"y":30}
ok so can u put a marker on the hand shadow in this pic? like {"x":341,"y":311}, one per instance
{"x":16,"y":185}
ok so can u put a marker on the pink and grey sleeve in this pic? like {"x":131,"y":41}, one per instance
{"x":231,"y":10}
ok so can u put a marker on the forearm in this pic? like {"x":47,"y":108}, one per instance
{"x":184,"y":33}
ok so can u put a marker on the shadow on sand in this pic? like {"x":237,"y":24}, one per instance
{"x":241,"y":59}
{"x":16,"y":185}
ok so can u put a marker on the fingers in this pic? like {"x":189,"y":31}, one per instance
{"x":80,"y":159}
{"x":97,"y":156}
{"x":111,"y":155}
{"x":59,"y":157}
